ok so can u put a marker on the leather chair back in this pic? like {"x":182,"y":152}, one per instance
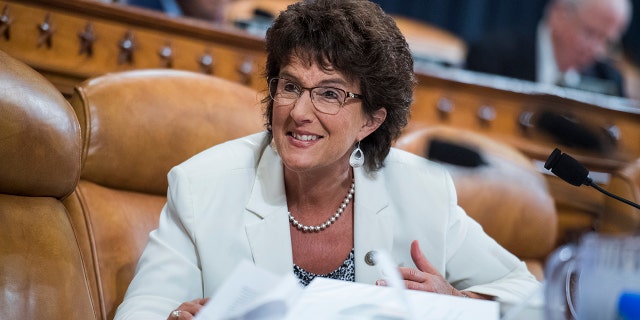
{"x":497,"y":186}
{"x":432,"y":44}
{"x":41,"y":266}
{"x":136,"y":126}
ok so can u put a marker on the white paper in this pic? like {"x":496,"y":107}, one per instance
{"x":333,"y":299}
{"x":251,"y":293}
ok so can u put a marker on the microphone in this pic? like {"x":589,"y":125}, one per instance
{"x":571,"y":171}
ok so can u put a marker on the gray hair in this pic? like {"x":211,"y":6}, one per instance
{"x":627,"y":6}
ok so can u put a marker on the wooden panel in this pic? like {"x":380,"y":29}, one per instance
{"x":496,"y":106}
{"x":485,"y":104}
{"x":235,"y":55}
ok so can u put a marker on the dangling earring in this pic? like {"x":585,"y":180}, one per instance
{"x":357,"y":157}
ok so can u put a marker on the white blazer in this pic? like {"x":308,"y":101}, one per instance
{"x":227,"y":204}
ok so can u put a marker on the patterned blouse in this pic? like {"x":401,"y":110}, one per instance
{"x":345,"y":272}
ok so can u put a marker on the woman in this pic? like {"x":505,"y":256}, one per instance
{"x":321,"y":187}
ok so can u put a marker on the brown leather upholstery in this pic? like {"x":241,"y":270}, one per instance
{"x":137,"y":125}
{"x":431,"y":43}
{"x":618,"y":217}
{"x":41,"y":267}
{"x":507,"y":196}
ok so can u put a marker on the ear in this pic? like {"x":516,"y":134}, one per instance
{"x":372,"y":123}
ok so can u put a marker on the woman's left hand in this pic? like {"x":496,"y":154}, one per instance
{"x":425,"y":277}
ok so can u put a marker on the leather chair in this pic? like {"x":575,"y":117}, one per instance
{"x":136,"y":125}
{"x":620,"y":218}
{"x":497,"y":186}
{"x":432,"y":44}
{"x":42,"y":270}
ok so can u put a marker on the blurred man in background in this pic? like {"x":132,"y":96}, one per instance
{"x":570,"y":47}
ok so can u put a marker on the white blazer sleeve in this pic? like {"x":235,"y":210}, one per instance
{"x":476,"y":262}
{"x":168,"y":272}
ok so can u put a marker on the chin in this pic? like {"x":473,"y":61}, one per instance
{"x":297,"y":167}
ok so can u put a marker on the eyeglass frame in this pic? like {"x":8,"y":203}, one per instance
{"x":348,"y":94}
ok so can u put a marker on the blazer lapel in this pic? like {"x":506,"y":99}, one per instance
{"x":373,"y":223}
{"x":269,"y":236}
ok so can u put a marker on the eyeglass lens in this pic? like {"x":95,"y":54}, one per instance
{"x":325,"y":99}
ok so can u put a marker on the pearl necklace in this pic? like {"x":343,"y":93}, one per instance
{"x":331,"y":219}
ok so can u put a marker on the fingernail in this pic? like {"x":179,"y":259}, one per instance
{"x":381,"y":283}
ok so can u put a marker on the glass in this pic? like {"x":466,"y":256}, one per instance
{"x":588,"y":280}
{"x":327,"y":100}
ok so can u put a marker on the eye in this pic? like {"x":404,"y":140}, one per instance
{"x":289,"y":86}
{"x":329,"y":93}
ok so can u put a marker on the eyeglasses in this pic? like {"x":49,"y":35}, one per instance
{"x":327,"y":100}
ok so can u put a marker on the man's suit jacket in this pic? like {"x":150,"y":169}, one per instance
{"x":513,"y":54}
{"x":228,"y":204}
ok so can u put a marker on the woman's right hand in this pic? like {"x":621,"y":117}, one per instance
{"x":187,"y":310}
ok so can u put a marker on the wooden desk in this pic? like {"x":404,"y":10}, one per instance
{"x":506,"y":109}
{"x":69,"y":41}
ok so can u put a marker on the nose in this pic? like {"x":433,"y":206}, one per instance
{"x":302,"y":109}
{"x":597,"y":45}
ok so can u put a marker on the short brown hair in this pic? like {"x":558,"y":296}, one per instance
{"x":358,"y":39}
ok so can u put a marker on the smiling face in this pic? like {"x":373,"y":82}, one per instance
{"x":311,"y":141}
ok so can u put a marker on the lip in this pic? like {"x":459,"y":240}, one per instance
{"x":303,"y":139}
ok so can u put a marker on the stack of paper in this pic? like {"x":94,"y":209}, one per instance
{"x":252,"y":294}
